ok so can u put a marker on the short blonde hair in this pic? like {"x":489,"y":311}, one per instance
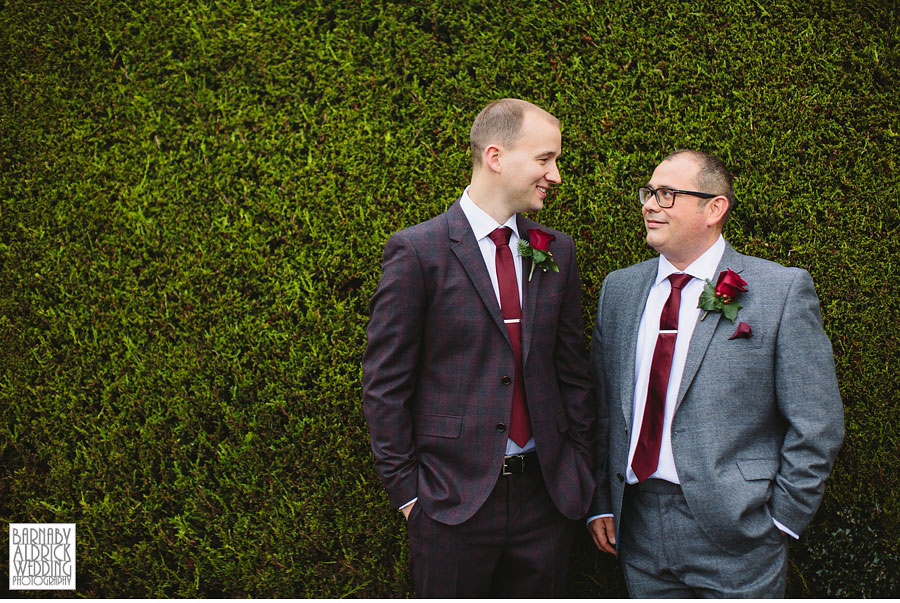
{"x":500,"y":123}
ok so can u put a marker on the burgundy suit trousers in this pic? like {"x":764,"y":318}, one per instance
{"x":516,"y":545}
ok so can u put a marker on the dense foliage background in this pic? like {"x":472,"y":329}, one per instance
{"x":194,"y":198}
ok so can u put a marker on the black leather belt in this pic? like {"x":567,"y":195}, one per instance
{"x":520,"y":463}
{"x":655,"y":486}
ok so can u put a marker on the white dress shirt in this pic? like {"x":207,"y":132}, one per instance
{"x":701,"y":269}
{"x":483,"y":225}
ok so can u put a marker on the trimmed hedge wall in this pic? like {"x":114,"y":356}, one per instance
{"x":194,"y":198}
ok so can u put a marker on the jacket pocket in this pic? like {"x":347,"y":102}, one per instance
{"x":748,"y":343}
{"x":562,"y":421}
{"x":753,"y":469}
{"x":442,"y":426}
{"x":549,"y":301}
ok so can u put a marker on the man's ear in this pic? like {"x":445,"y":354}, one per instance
{"x":491,"y":157}
{"x":716,"y":208}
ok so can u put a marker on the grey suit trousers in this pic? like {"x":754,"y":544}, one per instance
{"x":664,"y":552}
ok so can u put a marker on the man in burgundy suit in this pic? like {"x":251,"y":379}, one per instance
{"x":475,"y":380}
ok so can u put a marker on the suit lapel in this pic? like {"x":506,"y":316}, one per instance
{"x":466,"y":249}
{"x":634,"y":305}
{"x":704,"y":329}
{"x":529,"y":289}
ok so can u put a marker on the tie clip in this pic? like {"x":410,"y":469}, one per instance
{"x":509,"y":320}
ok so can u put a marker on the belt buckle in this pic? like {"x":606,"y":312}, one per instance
{"x":508,"y":469}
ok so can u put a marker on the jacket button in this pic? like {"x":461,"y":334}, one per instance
{"x":620,"y":477}
{"x":506,"y":380}
{"x":501,"y":427}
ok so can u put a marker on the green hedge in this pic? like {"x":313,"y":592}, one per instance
{"x":194,"y":198}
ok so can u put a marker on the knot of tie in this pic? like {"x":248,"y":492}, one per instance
{"x":500,"y":236}
{"x":679,"y":280}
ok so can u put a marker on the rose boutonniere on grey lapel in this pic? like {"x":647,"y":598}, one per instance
{"x":721,"y":298}
{"x":537,"y":247}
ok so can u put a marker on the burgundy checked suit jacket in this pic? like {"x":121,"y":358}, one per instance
{"x":438,"y":367}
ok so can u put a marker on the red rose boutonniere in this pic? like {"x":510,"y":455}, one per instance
{"x":720,"y":297}
{"x":537,"y":247}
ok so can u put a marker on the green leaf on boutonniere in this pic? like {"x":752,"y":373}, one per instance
{"x":716,"y":298}
{"x":538,"y":256}
{"x":730,"y":310}
{"x":708,"y":297}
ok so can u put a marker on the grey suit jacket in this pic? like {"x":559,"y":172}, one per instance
{"x":758,"y":421}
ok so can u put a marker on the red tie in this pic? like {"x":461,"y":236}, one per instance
{"x":520,"y":421}
{"x":646,"y":455}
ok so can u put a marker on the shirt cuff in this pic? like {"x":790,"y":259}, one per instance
{"x":785,"y":529}
{"x":593,"y":517}
{"x":411,"y":502}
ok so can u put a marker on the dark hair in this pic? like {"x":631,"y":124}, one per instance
{"x":713,"y":177}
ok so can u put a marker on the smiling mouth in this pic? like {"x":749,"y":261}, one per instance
{"x":544,"y":190}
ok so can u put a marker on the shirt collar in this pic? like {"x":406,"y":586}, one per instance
{"x":703,"y":267}
{"x":482,"y":224}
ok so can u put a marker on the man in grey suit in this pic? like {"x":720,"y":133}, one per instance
{"x":719,"y":423}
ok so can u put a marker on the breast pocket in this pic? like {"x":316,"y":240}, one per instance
{"x":549,"y":301}
{"x":747,"y":343}
{"x":546,"y":313}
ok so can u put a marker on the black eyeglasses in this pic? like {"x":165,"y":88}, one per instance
{"x":666,"y":196}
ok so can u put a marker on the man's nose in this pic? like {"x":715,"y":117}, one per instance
{"x":553,"y":175}
{"x":651,"y":204}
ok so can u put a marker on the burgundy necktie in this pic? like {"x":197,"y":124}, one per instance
{"x":520,"y":421}
{"x":646,"y":455}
